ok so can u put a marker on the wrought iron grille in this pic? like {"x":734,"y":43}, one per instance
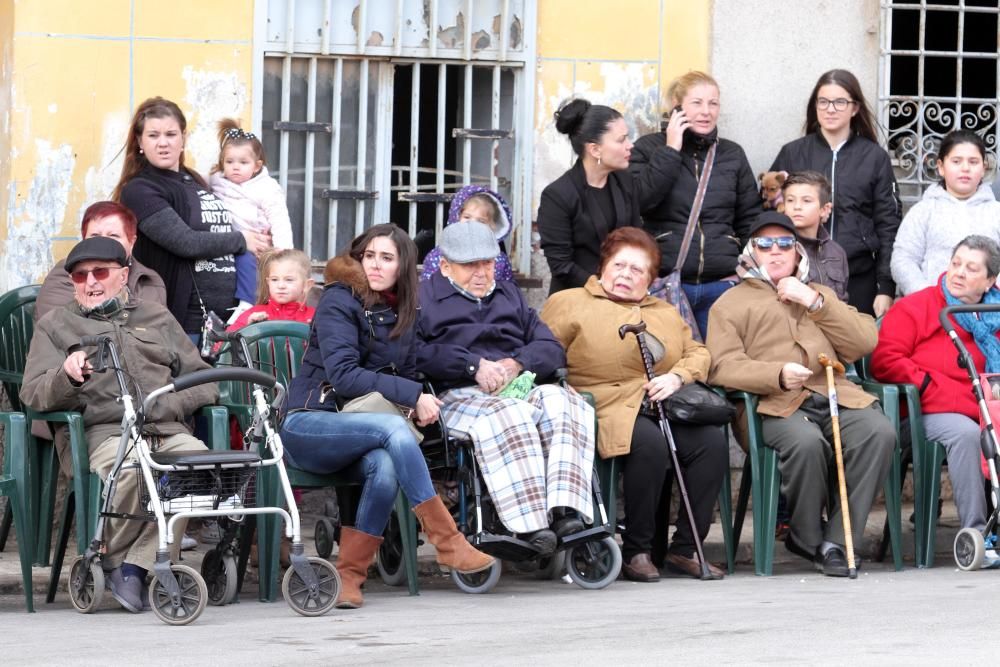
{"x":938,"y":72}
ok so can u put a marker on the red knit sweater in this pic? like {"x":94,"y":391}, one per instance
{"x":296,"y":312}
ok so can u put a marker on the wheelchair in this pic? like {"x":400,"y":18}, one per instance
{"x":591,"y":557}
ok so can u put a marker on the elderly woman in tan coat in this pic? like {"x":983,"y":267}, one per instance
{"x":586,"y":321}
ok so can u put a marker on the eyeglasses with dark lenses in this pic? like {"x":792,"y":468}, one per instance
{"x":766,"y":242}
{"x":100,"y":273}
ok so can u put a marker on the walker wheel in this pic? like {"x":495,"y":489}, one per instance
{"x":324,"y":537}
{"x":551,"y":567}
{"x":478,"y":582}
{"x":194,"y":597}
{"x":594,"y":565}
{"x":219,"y":572}
{"x":297,"y":594}
{"x":969,"y":549}
{"x":391,"y":561}
{"x":86,"y":584}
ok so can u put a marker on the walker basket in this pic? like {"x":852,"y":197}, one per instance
{"x":203,"y":486}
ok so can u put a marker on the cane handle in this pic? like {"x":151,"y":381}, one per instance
{"x":827,"y":362}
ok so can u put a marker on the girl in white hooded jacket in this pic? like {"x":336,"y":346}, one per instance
{"x":255,"y":201}
{"x":961,"y":205}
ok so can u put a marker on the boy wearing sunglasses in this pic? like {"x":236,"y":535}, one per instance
{"x":765,"y":336}
{"x":154,"y":349}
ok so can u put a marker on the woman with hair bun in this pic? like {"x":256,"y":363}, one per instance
{"x":595,"y":196}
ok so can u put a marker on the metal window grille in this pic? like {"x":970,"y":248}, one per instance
{"x":938,"y":72}
{"x":368,"y":115}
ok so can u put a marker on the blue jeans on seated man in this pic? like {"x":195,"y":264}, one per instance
{"x":701,"y":296}
{"x":374,"y":448}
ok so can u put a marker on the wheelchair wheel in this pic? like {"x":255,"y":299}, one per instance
{"x":219,"y":572}
{"x":478,"y":582}
{"x":297,"y":593}
{"x":324,"y":537}
{"x":194,"y":597}
{"x":391,"y":563}
{"x":594,"y":565}
{"x":86,"y":585}
{"x":969,"y":549}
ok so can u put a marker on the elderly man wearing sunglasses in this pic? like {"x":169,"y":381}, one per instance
{"x":765,"y":336}
{"x":58,"y":375}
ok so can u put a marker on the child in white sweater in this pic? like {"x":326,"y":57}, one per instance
{"x":961,"y":205}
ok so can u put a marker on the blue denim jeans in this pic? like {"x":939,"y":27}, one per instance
{"x":701,"y":297}
{"x":376,"y":449}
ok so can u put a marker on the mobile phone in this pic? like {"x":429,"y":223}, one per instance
{"x":666,"y":118}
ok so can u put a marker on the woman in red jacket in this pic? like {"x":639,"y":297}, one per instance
{"x":913,"y":348}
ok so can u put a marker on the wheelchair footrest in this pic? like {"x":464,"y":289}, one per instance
{"x":587,"y":535}
{"x":505,"y":547}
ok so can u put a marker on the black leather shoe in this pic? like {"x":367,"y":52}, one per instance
{"x":833,"y":563}
{"x":543,"y":540}
{"x":566,"y":526}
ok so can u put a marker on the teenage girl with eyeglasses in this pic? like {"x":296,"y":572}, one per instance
{"x":255,"y":200}
{"x":841,"y":142}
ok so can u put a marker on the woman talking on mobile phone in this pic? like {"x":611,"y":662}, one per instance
{"x":731,"y":200}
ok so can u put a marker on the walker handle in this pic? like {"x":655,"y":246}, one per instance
{"x":231,"y":374}
{"x":965,"y":308}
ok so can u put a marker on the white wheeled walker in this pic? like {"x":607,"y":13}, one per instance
{"x":196,"y":484}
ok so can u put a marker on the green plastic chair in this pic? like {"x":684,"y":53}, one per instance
{"x":15,"y":482}
{"x":762,"y":479}
{"x":17,"y":309}
{"x":278,"y":347}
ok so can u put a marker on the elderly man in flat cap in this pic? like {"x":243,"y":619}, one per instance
{"x":481,"y":343}
{"x":154,"y":350}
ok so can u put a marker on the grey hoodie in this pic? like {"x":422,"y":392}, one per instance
{"x":931,"y":230}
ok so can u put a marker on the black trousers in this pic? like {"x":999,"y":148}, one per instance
{"x":862,"y":290}
{"x":704,"y":457}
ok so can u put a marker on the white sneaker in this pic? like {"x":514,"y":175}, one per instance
{"x":188,"y":543}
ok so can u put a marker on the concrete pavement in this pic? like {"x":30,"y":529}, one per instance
{"x":798,"y":616}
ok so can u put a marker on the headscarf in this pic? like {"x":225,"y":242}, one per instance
{"x":748,"y":267}
{"x":982,"y":326}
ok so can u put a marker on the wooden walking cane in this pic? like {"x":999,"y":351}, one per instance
{"x":831,"y":366}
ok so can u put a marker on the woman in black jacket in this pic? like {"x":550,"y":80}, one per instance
{"x":731,"y":200}
{"x":361,"y":342}
{"x":595,"y":196}
{"x":185,"y":234}
{"x":841,"y":143}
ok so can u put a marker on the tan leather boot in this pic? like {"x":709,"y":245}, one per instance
{"x":453,"y":550}
{"x":357,"y":550}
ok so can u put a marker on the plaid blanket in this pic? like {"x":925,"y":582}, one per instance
{"x":536,"y":454}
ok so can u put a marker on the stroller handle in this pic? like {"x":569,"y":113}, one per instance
{"x":965,"y":308}
{"x":233,"y":374}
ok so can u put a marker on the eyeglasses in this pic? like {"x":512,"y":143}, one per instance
{"x":839,"y":104}
{"x":766,"y":242}
{"x":100,"y":273}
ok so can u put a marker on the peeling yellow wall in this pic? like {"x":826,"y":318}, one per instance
{"x":622,"y":54}
{"x":74,"y":77}
{"x":6,"y":66}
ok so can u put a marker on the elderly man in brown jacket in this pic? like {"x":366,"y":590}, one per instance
{"x":765,"y":337}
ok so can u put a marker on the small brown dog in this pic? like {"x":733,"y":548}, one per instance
{"x":770,"y":189}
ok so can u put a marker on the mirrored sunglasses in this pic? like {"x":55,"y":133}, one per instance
{"x":765,"y":242}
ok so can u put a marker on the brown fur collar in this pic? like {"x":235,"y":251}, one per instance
{"x":347,"y":271}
